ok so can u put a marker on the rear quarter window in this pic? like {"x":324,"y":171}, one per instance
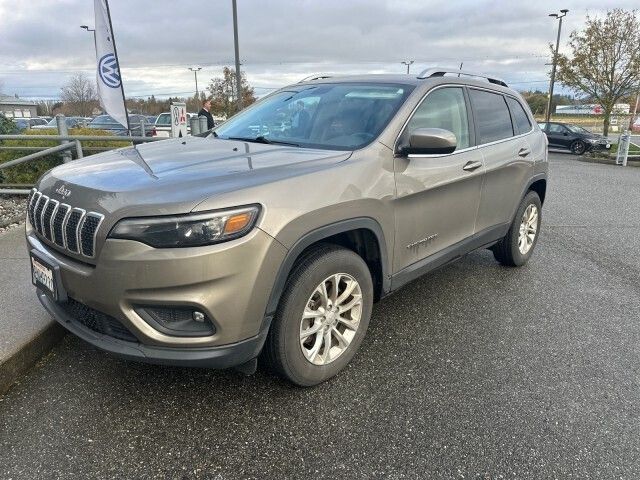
{"x":493,"y":121}
{"x":521,"y":121}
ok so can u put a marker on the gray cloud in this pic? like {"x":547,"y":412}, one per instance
{"x":280,"y":41}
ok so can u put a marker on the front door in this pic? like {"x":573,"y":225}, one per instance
{"x":437,"y":195}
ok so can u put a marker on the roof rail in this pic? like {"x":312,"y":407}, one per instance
{"x":441,"y":72}
{"x":317,"y":76}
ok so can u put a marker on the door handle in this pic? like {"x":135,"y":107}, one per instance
{"x":471,"y":166}
{"x":523,"y":152}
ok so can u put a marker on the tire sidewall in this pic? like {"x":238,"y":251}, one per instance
{"x":297,"y":367}
{"x":520,"y":259}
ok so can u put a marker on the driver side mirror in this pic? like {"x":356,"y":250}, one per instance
{"x":425,"y":141}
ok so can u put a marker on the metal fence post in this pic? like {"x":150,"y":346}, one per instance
{"x":143,"y":130}
{"x":204,"y":126}
{"x":195,"y":125}
{"x":63,"y":131}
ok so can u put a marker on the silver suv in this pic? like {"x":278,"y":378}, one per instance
{"x":273,"y":235}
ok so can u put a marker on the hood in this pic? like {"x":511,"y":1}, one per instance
{"x":175,"y":175}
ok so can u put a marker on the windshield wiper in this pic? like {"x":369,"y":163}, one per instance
{"x":265,"y":140}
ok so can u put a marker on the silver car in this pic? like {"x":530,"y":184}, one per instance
{"x":272,"y":236}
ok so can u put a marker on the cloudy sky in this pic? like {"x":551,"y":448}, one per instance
{"x":41,"y":43}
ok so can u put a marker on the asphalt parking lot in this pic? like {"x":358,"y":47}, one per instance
{"x":475,"y":371}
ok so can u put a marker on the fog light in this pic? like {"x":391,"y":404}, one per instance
{"x":177,"y":321}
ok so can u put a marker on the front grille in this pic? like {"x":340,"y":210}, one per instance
{"x":71,"y":228}
{"x":97,"y":321}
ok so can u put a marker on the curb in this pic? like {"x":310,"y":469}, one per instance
{"x":607,"y":161}
{"x":25,"y":358}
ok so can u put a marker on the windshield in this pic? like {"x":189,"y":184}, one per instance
{"x":343,"y":116}
{"x":577,"y":129}
{"x":164,"y":119}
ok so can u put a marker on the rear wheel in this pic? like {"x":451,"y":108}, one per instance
{"x":578,"y":147}
{"x":322,"y":317}
{"x":517,"y":246}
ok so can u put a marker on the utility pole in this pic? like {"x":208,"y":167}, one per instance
{"x":635,"y":110}
{"x":195,"y":71}
{"x":235,"y":43}
{"x":408,"y":64}
{"x":558,"y":16}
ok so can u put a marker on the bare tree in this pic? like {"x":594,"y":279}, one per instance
{"x":79,"y":95}
{"x":605,"y":60}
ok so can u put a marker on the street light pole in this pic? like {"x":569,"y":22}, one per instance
{"x":195,"y":71}
{"x":559,"y":16}
{"x":86,"y":27}
{"x":235,"y":43}
{"x":407,"y":63}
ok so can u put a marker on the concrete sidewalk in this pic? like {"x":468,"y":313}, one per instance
{"x":27,"y":330}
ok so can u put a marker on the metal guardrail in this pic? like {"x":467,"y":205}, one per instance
{"x":68,"y":143}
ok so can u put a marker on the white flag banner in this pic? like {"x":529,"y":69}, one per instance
{"x":108,"y":76}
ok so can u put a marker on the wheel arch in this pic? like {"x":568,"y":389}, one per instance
{"x":364,"y":235}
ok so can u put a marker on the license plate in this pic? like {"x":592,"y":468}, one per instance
{"x":43,"y":277}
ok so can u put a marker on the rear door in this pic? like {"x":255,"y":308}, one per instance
{"x":507,"y":157}
{"x":437,"y":195}
{"x":558,"y":135}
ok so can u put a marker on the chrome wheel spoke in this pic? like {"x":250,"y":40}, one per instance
{"x":326,"y":347}
{"x":342,"y":341}
{"x":356,"y":299}
{"x":350,"y":324}
{"x":315,"y":328}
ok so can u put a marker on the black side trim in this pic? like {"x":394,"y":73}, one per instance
{"x":449,"y":254}
{"x":321,"y":233}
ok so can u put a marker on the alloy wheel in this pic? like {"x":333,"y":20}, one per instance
{"x":528,"y":229}
{"x":331,"y":318}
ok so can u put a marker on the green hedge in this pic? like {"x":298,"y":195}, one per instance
{"x":29,"y":172}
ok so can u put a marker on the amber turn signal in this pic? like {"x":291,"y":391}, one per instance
{"x":237,"y":222}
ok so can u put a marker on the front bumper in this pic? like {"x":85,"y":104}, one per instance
{"x":230,"y":282}
{"x":224,"y":356}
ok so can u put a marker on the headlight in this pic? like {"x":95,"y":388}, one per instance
{"x":191,"y":230}
{"x":593,"y":140}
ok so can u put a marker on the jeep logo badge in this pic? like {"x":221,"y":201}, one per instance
{"x":65,"y":192}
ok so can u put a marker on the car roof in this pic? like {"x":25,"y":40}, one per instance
{"x":404,"y":79}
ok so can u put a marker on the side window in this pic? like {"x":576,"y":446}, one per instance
{"x":493,"y":121}
{"x":520,"y":119}
{"x":555,"y":128}
{"x":443,"y":108}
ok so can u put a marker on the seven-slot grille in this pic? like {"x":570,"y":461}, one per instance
{"x":71,"y":228}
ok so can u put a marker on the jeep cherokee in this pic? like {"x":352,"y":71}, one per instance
{"x":273,"y":234}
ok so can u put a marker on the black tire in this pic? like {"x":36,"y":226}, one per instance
{"x":578,"y":147}
{"x":507,"y":251}
{"x":282,"y":351}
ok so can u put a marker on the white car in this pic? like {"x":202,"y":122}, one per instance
{"x":162,"y":127}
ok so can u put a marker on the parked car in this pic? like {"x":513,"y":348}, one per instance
{"x":635,"y":127}
{"x":163,"y":124}
{"x":212,"y":250}
{"x":106,"y":122}
{"x":72,"y":122}
{"x":573,"y":138}
{"x":25,"y":123}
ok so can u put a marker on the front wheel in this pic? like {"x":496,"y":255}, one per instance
{"x":322,"y":317}
{"x":515,"y":249}
{"x":578,"y":147}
